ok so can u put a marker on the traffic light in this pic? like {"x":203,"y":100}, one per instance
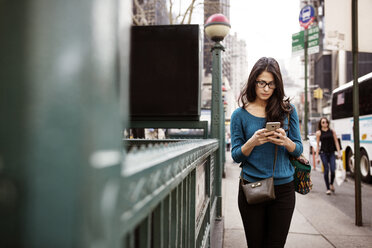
{"x":318,"y":93}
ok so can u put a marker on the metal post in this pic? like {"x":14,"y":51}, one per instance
{"x":358,"y":193}
{"x":306,"y":104}
{"x":217,"y":125}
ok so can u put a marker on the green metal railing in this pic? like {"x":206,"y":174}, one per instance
{"x":169,"y":198}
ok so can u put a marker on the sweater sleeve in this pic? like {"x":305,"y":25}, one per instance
{"x":237,"y":138}
{"x":294,"y":133}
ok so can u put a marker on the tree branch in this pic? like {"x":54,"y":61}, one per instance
{"x":141,"y":14}
{"x":135,"y":21}
{"x":191,"y":10}
{"x":187,"y":10}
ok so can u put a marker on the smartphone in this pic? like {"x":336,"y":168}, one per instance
{"x":272,"y":126}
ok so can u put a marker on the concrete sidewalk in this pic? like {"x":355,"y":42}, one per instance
{"x":316,"y":223}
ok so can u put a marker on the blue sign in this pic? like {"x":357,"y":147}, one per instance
{"x":307,"y":15}
{"x":346,"y":136}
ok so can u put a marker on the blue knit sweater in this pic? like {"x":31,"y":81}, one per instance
{"x":259,"y":163}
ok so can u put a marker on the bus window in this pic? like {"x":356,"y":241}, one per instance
{"x":342,"y":104}
{"x":365,"y":93}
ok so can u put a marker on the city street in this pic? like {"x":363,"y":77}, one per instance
{"x":319,"y":220}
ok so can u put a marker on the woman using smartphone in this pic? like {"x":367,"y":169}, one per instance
{"x":253,"y":146}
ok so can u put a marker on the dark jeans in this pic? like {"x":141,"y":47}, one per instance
{"x":267,"y":224}
{"x":329,"y":161}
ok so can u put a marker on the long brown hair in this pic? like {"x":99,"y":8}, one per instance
{"x":277,"y":107}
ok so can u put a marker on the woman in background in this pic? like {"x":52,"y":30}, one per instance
{"x":329,"y":144}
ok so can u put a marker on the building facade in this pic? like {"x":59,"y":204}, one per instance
{"x":238,"y":66}
{"x":329,"y":69}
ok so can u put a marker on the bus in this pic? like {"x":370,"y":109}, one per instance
{"x":342,"y":122}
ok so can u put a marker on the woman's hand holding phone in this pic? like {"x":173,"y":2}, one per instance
{"x":279,"y":137}
{"x":275,"y":134}
{"x":257,"y":139}
{"x":272,"y":126}
{"x":272,"y":133}
{"x":260,"y":137}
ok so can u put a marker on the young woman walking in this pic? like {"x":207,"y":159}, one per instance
{"x":253,"y":146}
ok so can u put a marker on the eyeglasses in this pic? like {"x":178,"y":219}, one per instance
{"x":324,"y":122}
{"x":262,"y":84}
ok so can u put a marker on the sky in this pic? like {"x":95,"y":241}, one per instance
{"x":266,"y":26}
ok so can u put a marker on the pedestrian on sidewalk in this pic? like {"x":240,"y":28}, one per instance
{"x":329,"y":144}
{"x":263,"y":100}
{"x":228,"y":142}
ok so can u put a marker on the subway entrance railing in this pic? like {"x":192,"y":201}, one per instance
{"x":169,"y":198}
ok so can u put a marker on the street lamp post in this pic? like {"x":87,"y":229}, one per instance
{"x":217,"y":27}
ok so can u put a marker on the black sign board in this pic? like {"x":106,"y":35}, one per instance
{"x":165,"y":72}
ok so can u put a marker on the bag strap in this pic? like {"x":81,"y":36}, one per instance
{"x":288,"y":129}
{"x":276,"y":153}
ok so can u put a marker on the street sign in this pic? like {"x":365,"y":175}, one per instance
{"x":312,"y":42}
{"x":307,"y":15}
{"x":298,"y":43}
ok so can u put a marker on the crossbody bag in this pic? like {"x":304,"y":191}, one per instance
{"x":260,"y":191}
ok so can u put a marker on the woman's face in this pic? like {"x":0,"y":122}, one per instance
{"x":324,"y":123}
{"x":265,"y":86}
